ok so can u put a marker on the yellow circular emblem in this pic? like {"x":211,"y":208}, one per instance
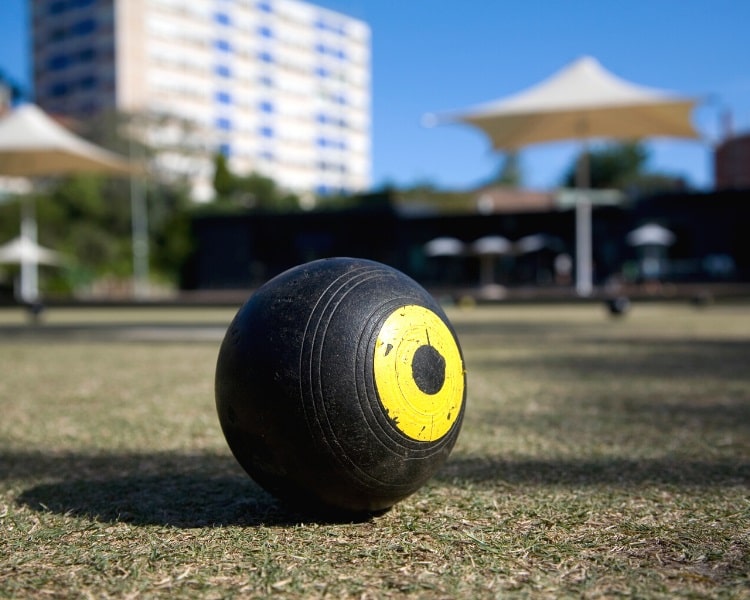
{"x":419,"y":373}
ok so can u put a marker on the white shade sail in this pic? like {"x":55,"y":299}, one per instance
{"x":581,"y":101}
{"x":34,"y":145}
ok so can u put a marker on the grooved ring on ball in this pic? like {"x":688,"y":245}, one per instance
{"x":419,"y":373}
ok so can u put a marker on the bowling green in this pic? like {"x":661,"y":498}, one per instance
{"x":599,"y":457}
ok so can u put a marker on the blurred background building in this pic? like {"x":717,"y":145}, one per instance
{"x":732,"y":163}
{"x":280,"y":87}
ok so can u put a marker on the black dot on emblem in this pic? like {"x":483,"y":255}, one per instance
{"x":428,"y":369}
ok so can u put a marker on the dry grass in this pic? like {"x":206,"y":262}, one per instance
{"x":599,"y":458}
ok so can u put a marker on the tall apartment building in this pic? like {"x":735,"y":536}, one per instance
{"x":281,"y":87}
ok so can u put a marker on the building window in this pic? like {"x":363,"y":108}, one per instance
{"x":57,"y":62}
{"x":58,"y":89}
{"x":88,"y":83}
{"x":85,"y":27}
{"x":224,"y":124}
{"x":265,"y":7}
{"x":266,"y":80}
{"x":265,"y":57}
{"x":265,"y":32}
{"x":322,"y":72}
{"x":225,"y":149}
{"x":266,"y":132}
{"x":266,"y":106}
{"x":57,"y":7}
{"x":222,"y":18}
{"x":322,"y":25}
{"x":58,"y":34}
{"x":328,"y":51}
{"x":222,"y":45}
{"x":87,"y":55}
{"x":223,"y":71}
{"x":223,"y":97}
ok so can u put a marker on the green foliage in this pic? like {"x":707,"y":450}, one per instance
{"x":253,"y":191}
{"x":612,"y":166}
{"x":88,"y":219}
{"x":14,"y":90}
{"x":426,"y":196}
{"x":623,"y":166}
{"x":91,"y":228}
{"x":510,"y":173}
{"x":224,"y":181}
{"x":169,"y":223}
{"x":10,"y":219}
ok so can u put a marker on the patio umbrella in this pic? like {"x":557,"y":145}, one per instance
{"x":529,"y":252}
{"x":652,"y":241}
{"x":444,"y":246}
{"x":445,"y":252}
{"x":650,"y":234}
{"x":583,"y":101}
{"x":488,"y":248}
{"x":21,"y":249}
{"x":535,"y":242}
{"x":33,"y":145}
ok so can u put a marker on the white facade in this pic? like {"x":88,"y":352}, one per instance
{"x":281,"y":87}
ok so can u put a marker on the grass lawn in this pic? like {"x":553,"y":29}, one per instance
{"x":599,"y":457}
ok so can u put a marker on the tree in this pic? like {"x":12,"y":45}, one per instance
{"x":14,"y":91}
{"x":253,"y":191}
{"x":224,"y":181}
{"x":613,"y":166}
{"x":622,"y":166}
{"x":510,"y":171}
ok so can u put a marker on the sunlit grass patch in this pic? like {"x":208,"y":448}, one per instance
{"x":599,"y":457}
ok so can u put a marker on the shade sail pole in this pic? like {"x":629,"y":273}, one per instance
{"x":584,"y":262}
{"x":139,"y":224}
{"x":139,"y":232}
{"x":29,"y":292}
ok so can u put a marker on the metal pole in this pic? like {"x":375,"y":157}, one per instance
{"x":139,"y":218}
{"x":29,"y":292}
{"x":584,"y":262}
{"x":139,"y":224}
{"x":584,"y":285}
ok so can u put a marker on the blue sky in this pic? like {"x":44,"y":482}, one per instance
{"x":441,"y":55}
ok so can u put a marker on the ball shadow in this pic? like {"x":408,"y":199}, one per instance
{"x":184,"y":491}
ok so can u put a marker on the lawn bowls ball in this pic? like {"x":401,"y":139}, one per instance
{"x":340,"y":385}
